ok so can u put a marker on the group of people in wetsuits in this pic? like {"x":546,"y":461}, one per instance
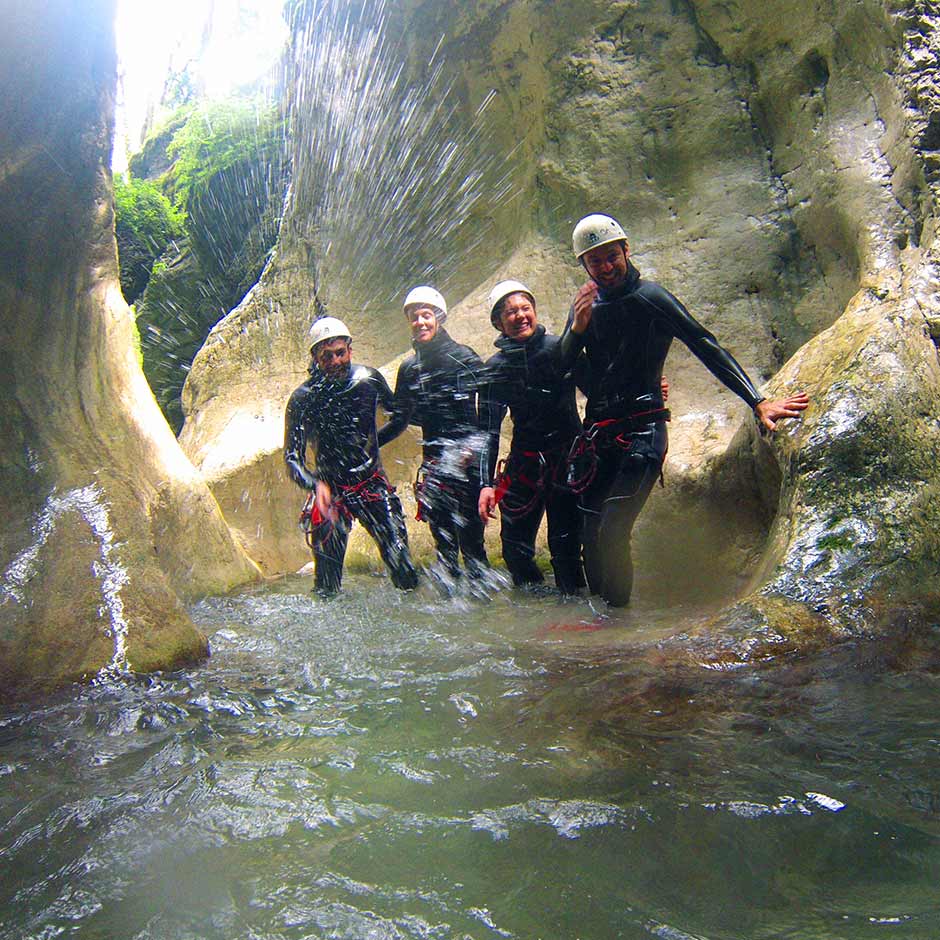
{"x":590,"y":477}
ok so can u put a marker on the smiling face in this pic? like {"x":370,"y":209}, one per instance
{"x":423,"y":322}
{"x":607,"y":264}
{"x":517,"y":317}
{"x":333,"y":356}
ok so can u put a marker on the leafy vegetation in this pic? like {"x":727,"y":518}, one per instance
{"x":145,"y":223}
{"x":220,"y":168}
{"x":217,"y":137}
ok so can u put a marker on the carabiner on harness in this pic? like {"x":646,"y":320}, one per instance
{"x":538,"y":485}
{"x":420,"y":487}
{"x":316,"y":529}
{"x":581,"y":463}
{"x":503,"y":481}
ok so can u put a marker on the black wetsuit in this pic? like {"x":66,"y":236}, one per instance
{"x":437,"y":389}
{"x":338,"y":417}
{"x":528,"y":379}
{"x":631,"y":330}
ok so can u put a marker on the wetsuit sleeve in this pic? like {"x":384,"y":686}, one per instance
{"x":492,"y":413}
{"x":570,"y":345}
{"x":581,"y":373}
{"x":477,"y":439}
{"x":386,"y":397}
{"x":477,"y":370}
{"x":401,"y":409}
{"x":703,"y":344}
{"x":295,"y":443}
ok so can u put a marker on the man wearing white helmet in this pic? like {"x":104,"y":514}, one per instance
{"x":334,"y":411}
{"x":437,"y":388}
{"x":526,"y":377}
{"x":626,"y":326}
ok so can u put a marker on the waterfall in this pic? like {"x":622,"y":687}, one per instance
{"x":108,"y":570}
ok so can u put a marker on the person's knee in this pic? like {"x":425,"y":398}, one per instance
{"x":517,"y":551}
{"x":472,"y":542}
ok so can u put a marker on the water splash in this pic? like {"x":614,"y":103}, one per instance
{"x":388,"y":169}
{"x":90,"y":504}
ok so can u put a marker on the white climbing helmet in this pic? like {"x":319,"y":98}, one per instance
{"x":502,"y":290}
{"x":595,"y":230}
{"x":425,"y":296}
{"x":327,"y":328}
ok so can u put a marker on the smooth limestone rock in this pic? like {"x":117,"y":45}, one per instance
{"x":106,"y":526}
{"x":708,"y":216}
{"x":776,"y":167}
{"x":252,"y":361}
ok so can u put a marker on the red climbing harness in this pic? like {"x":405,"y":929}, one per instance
{"x":372,"y":489}
{"x":316,"y":528}
{"x":582,"y":459}
{"x":548,"y":463}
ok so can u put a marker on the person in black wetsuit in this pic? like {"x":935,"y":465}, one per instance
{"x":626,"y":325}
{"x":437,"y":388}
{"x":335,"y":411}
{"x":526,"y":377}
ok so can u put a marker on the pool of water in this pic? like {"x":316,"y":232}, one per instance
{"x":387,"y":766}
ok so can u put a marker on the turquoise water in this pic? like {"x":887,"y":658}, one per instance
{"x":380,"y":766}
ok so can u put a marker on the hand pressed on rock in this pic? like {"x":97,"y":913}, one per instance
{"x":770,"y":411}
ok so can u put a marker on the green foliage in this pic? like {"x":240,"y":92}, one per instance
{"x":145,"y":223}
{"x":142,"y":207}
{"x":219,"y":136}
{"x":222,"y":166}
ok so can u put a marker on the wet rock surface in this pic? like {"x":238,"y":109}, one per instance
{"x":776,"y":168}
{"x":106,"y":527}
{"x":773,"y":168}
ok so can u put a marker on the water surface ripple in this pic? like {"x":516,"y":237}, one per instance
{"x":390,"y":767}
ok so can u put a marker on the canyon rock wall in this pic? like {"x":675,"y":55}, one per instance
{"x":107,"y":529}
{"x":775,"y":167}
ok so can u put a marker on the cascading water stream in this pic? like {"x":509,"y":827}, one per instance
{"x":87,"y":501}
{"x":391,"y":186}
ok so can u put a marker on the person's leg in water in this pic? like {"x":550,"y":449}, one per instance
{"x":328,"y":557}
{"x":470,"y":528}
{"x":439,"y":507}
{"x":384,"y":520}
{"x":609,"y":517}
{"x":521,"y":510}
{"x":564,"y":539}
{"x":624,"y":481}
{"x":517,"y":534}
